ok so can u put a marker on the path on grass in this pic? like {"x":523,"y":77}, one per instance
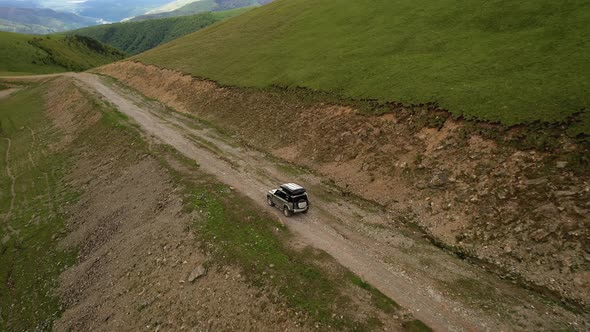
{"x":405,"y":267}
{"x":12,"y":178}
{"x":5,"y":223}
{"x":7,"y":92}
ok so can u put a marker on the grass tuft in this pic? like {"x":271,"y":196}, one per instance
{"x":416,"y":326}
{"x":381,"y":301}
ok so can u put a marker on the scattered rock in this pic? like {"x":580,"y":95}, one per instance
{"x":546,"y":210}
{"x":539,"y":235}
{"x":401,"y":164}
{"x":420,"y":185}
{"x":439,"y":180}
{"x":564,"y":193}
{"x":536,"y":182}
{"x":561,"y":164}
{"x":197,"y":273}
{"x":579,"y":281}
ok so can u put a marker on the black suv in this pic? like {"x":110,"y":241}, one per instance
{"x":290,"y":198}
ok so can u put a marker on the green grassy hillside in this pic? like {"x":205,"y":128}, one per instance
{"x":26,"y":54}
{"x":136,"y":37}
{"x":508,"y":61}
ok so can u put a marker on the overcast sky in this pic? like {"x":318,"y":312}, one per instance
{"x":109,"y":10}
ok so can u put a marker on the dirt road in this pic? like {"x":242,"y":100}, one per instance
{"x":7,"y":92}
{"x":32,"y":77}
{"x":445,"y":292}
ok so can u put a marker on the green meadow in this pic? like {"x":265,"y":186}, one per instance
{"x":512,"y":62}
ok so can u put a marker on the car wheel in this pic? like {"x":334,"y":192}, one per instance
{"x":269,"y":201}
{"x":304,"y":212}
{"x":286,"y":211}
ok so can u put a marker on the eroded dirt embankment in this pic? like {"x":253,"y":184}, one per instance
{"x":524,"y":211}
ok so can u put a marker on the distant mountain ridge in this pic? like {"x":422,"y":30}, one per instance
{"x":202,"y":6}
{"x":104,"y":10}
{"x":171,"y":6}
{"x":40,"y":21}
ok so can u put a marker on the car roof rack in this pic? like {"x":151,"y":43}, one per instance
{"x":293,"y":188}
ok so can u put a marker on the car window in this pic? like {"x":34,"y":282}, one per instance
{"x":281,"y":194}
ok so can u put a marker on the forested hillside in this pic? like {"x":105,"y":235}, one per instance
{"x":137,"y":37}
